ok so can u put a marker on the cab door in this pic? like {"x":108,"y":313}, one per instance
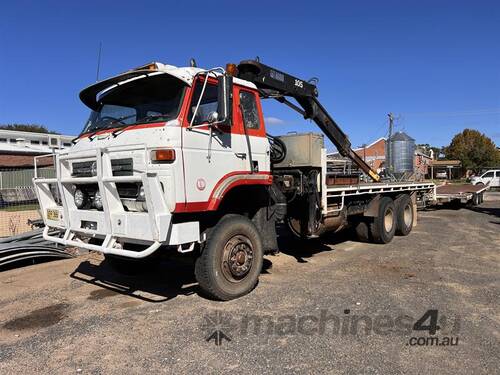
{"x":250,"y":124}
{"x":211,"y":154}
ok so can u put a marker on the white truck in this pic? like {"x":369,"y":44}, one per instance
{"x":178,"y":159}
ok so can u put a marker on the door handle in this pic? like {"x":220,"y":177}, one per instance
{"x":241,"y":155}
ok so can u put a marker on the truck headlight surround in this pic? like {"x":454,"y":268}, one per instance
{"x":80,"y":198}
{"x":97,"y":201}
{"x":141,"y":196}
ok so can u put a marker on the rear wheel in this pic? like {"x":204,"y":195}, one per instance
{"x":383,"y":226}
{"x":404,"y":215}
{"x":231,"y":261}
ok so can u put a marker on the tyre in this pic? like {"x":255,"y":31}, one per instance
{"x":383,"y":226}
{"x":476,"y":200}
{"x":231,"y":260}
{"x":404,"y":215}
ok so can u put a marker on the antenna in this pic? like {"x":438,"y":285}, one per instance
{"x":192,"y":62}
{"x":98,"y":61}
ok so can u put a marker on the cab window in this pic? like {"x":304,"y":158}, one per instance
{"x":208,"y":103}
{"x":249,"y":110}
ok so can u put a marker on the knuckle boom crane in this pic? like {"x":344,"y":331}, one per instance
{"x":273,"y":83}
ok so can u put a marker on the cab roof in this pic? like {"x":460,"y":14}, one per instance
{"x":90,"y":95}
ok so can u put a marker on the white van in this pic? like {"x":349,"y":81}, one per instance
{"x":491,"y":177}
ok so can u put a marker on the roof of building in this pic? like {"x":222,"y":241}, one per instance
{"x":23,"y":142}
{"x":371,"y":144}
{"x":446,"y":163}
{"x":333,"y":154}
{"x":21,"y":161}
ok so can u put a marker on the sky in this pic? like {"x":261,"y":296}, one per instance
{"x":434,"y":64}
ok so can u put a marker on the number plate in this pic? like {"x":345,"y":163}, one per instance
{"x":53,"y":214}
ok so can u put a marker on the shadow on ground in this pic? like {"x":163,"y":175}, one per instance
{"x":492,"y":211}
{"x":162,"y":281}
{"x":301,"y":249}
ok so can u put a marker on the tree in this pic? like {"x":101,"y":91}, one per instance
{"x":473,"y":149}
{"x":34,"y":128}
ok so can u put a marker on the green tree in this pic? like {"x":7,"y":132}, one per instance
{"x":34,"y":128}
{"x":473,"y":149}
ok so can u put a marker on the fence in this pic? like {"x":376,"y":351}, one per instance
{"x":18,"y":203}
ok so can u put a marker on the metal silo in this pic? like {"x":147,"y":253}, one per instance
{"x":402,"y":150}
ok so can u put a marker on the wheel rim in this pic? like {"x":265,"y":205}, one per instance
{"x":238,"y":258}
{"x":388,"y":220}
{"x":408,"y":215}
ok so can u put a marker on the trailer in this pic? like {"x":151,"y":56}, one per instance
{"x":178,"y":159}
{"x":460,"y":193}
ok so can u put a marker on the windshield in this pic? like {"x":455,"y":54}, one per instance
{"x":151,"y":99}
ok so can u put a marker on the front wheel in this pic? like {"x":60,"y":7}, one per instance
{"x":231,"y":261}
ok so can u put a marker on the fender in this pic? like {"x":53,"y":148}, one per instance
{"x":223,"y":186}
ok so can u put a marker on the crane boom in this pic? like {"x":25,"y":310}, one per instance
{"x":279,"y":85}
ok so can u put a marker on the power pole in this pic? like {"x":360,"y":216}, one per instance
{"x":389,"y":142}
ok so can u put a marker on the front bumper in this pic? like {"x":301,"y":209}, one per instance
{"x":113,"y":225}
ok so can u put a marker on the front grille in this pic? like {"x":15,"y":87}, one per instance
{"x":82,"y":169}
{"x":120,"y":167}
{"x":128,"y":190}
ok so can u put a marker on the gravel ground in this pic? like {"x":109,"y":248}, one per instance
{"x":336,"y":306}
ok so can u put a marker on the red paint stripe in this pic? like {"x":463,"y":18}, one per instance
{"x":213,"y":203}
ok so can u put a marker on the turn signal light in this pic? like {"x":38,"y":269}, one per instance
{"x":165,"y":155}
{"x":232,"y":69}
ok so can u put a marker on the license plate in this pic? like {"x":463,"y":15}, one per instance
{"x":53,"y":214}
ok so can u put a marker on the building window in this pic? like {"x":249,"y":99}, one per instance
{"x":67,"y":144}
{"x":45,"y":143}
{"x":35,"y":142}
{"x":3,"y":140}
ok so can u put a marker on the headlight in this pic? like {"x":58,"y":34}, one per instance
{"x":80,"y":198}
{"x":98,"y":200}
{"x":141,"y":199}
{"x":142,"y":194}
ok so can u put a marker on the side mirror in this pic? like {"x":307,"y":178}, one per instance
{"x":212,"y":117}
{"x":225,"y":99}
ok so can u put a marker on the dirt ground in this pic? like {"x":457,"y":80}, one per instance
{"x":15,"y":222}
{"x":79,"y":316}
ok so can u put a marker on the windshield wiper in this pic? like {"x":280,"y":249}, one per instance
{"x":148,"y":117}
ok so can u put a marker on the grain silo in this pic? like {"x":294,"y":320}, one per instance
{"x":401,"y":150}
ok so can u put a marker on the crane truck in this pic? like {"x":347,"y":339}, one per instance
{"x":178,"y":159}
